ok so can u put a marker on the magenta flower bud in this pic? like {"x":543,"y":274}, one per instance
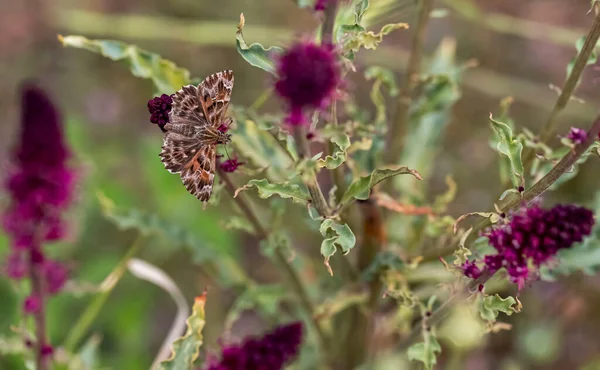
{"x":159,"y":108}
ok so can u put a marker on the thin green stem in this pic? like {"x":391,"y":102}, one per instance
{"x":293,"y":276}
{"x":413,"y":70}
{"x":314,"y":189}
{"x":262,"y":99}
{"x":569,"y":86}
{"x":95,"y":306}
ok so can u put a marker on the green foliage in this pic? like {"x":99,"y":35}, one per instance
{"x":256,"y":54}
{"x":342,"y":143}
{"x":578,"y":46}
{"x":381,"y":77}
{"x":511,"y":148}
{"x":264,"y":298}
{"x":425,"y":352}
{"x":384,"y":261}
{"x":361,"y":188}
{"x":284,"y":190}
{"x":336,"y":235}
{"x":167,"y":77}
{"x":150,"y":224}
{"x":491,"y":306}
{"x":186,"y":349}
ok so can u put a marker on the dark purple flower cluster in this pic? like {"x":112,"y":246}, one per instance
{"x":320,"y":5}
{"x":533,"y":237}
{"x":308,"y":77}
{"x":270,"y":352}
{"x":159,"y":108}
{"x":40,"y":186}
{"x":230,"y":165}
{"x":577,"y":135}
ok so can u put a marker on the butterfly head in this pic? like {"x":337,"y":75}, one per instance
{"x":223,"y":138}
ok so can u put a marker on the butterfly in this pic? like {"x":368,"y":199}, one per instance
{"x":197,"y":124}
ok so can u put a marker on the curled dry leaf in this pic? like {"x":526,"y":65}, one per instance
{"x":386,"y":201}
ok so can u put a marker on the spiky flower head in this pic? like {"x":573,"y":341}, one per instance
{"x":532,"y":237}
{"x":272,"y":351}
{"x":159,"y":108}
{"x":308,"y":76}
{"x":230,"y":165}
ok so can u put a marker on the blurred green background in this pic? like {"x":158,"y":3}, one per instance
{"x":521,"y":48}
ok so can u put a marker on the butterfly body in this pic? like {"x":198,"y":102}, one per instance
{"x":194,"y":130}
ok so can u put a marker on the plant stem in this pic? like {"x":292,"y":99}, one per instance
{"x":314,"y":189}
{"x":413,"y":70}
{"x":38,"y":290}
{"x":569,"y":86}
{"x":293,"y":276}
{"x":95,"y":306}
{"x":528,"y":195}
{"x":329,"y":21}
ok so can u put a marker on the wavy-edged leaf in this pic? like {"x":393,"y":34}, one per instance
{"x":186,"y":349}
{"x":492,"y":305}
{"x":342,"y":143}
{"x":492,"y":216}
{"x":361,"y":188}
{"x":167,"y":76}
{"x":382,"y":77}
{"x":256,"y":54}
{"x":511,"y":148}
{"x":425,"y":352}
{"x":336,"y":235}
{"x":284,"y":190}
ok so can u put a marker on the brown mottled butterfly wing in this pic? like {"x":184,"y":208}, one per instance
{"x":189,"y":146}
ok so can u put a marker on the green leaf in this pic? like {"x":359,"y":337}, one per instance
{"x":491,"y":306}
{"x":238,"y":223}
{"x":510,"y":147}
{"x":256,"y":54}
{"x":359,"y":10}
{"x":284,"y":190}
{"x":262,"y":298}
{"x":186,"y":349}
{"x":591,"y":60}
{"x":382,"y":77}
{"x":461,"y":255}
{"x":150,"y":224}
{"x":492,"y":216}
{"x":336,"y":235}
{"x":425,"y":352}
{"x":384,"y":261}
{"x":368,"y":39}
{"x":361,"y":188}
{"x":342,"y":143}
{"x":167,"y":77}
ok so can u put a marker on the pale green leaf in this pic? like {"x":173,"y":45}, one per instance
{"x":238,"y":223}
{"x":167,"y":77}
{"x":342,"y":143}
{"x":361,"y":188}
{"x":591,"y":60}
{"x":511,"y":148}
{"x":425,"y":352}
{"x":492,"y":216}
{"x":336,"y":235}
{"x":491,"y":306}
{"x":186,"y":349}
{"x":256,"y":54}
{"x":285,"y":190}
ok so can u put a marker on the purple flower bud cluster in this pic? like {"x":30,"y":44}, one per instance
{"x":270,"y":352}
{"x":40,"y":186}
{"x":159,"y":108}
{"x":308,"y":77}
{"x":577,"y":135}
{"x":533,"y":237}
{"x":230,"y":165}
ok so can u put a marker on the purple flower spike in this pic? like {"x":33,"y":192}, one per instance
{"x":273,"y":351}
{"x":577,"y":135}
{"x":159,"y":108}
{"x":308,"y":76}
{"x":471,"y":270}
{"x":533,"y":237}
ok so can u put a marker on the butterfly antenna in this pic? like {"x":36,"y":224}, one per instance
{"x":228,"y":157}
